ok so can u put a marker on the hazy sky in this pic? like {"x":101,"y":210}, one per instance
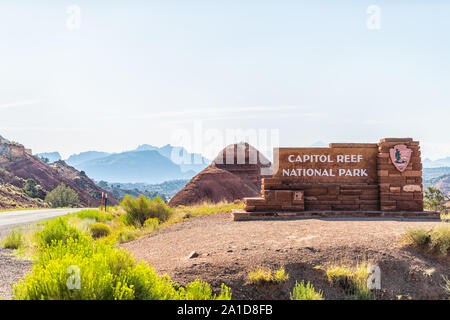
{"x":137,"y":72}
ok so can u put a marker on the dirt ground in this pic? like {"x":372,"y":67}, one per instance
{"x":11,"y":270}
{"x":228,"y":249}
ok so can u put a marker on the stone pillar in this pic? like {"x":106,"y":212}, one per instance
{"x":400,"y":191}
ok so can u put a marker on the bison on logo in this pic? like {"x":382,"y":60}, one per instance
{"x":400,"y":156}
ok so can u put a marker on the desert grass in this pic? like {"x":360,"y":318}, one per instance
{"x":264,"y":276}
{"x":446,"y":285}
{"x":353,"y":280}
{"x":434,"y":240}
{"x":302,"y":291}
{"x":14,"y":240}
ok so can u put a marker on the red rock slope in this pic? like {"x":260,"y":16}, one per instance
{"x":50,"y":176}
{"x":234,"y":174}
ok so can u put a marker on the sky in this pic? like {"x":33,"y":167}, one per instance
{"x":111,"y":75}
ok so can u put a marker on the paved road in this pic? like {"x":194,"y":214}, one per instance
{"x":12,"y":219}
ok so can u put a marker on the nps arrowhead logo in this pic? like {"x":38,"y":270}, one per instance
{"x":400,"y":156}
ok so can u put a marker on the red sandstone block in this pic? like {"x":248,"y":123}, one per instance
{"x":353,"y":145}
{"x":383,"y":161}
{"x":348,"y":197}
{"x":350,"y":192}
{"x":369,"y":207}
{"x":269,"y":195}
{"x":410,"y":205}
{"x":346,"y":202}
{"x":293,"y":208}
{"x":395,"y":189}
{"x":413,"y":173}
{"x":369,"y":202}
{"x":418,"y":196}
{"x":383,"y":173}
{"x":395,"y":140}
{"x":371,"y":192}
{"x":385,"y":166}
{"x":384,"y":187}
{"x":388,"y":208}
{"x":345,"y":207}
{"x":388,"y":203}
{"x":326,"y":197}
{"x":333,"y":190}
{"x":369,"y":197}
{"x":283,"y":195}
{"x":383,"y":155}
{"x":249,"y":208}
{"x":401,"y":196}
{"x":392,"y":180}
{"x":317,"y":207}
{"x":316,"y":191}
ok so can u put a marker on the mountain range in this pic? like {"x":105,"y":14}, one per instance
{"x":146,"y":163}
{"x":444,"y":162}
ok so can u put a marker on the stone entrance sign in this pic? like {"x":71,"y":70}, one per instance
{"x":352,"y":179}
{"x":327,"y":165}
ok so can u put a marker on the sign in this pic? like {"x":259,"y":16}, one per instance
{"x":400,"y":156}
{"x":326,"y":165}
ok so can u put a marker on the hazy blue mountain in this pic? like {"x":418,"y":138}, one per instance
{"x":180,"y":156}
{"x":51,"y":156}
{"x":134,"y":166}
{"x":319,"y":144}
{"x":76,"y":159}
{"x":444,"y":162}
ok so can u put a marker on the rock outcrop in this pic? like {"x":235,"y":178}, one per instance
{"x":234,"y":174}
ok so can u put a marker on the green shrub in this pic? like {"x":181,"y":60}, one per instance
{"x":30,"y":188}
{"x":305,"y":292}
{"x":94,"y":214}
{"x":57,"y":229}
{"x":14,"y":240}
{"x":140,"y":209}
{"x":199,"y":290}
{"x":83,"y":270}
{"x":151,"y":223}
{"x":435,"y":200}
{"x":62,"y":196}
{"x":128,"y":234}
{"x":100,"y":229}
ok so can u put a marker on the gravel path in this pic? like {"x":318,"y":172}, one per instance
{"x":11,"y":270}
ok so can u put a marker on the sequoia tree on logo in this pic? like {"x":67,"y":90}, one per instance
{"x":400,"y":156}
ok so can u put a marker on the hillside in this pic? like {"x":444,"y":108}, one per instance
{"x":444,"y":184}
{"x":223,"y":180}
{"x":17,"y":165}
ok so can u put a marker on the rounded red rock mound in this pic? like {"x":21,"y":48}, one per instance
{"x":234,"y":174}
